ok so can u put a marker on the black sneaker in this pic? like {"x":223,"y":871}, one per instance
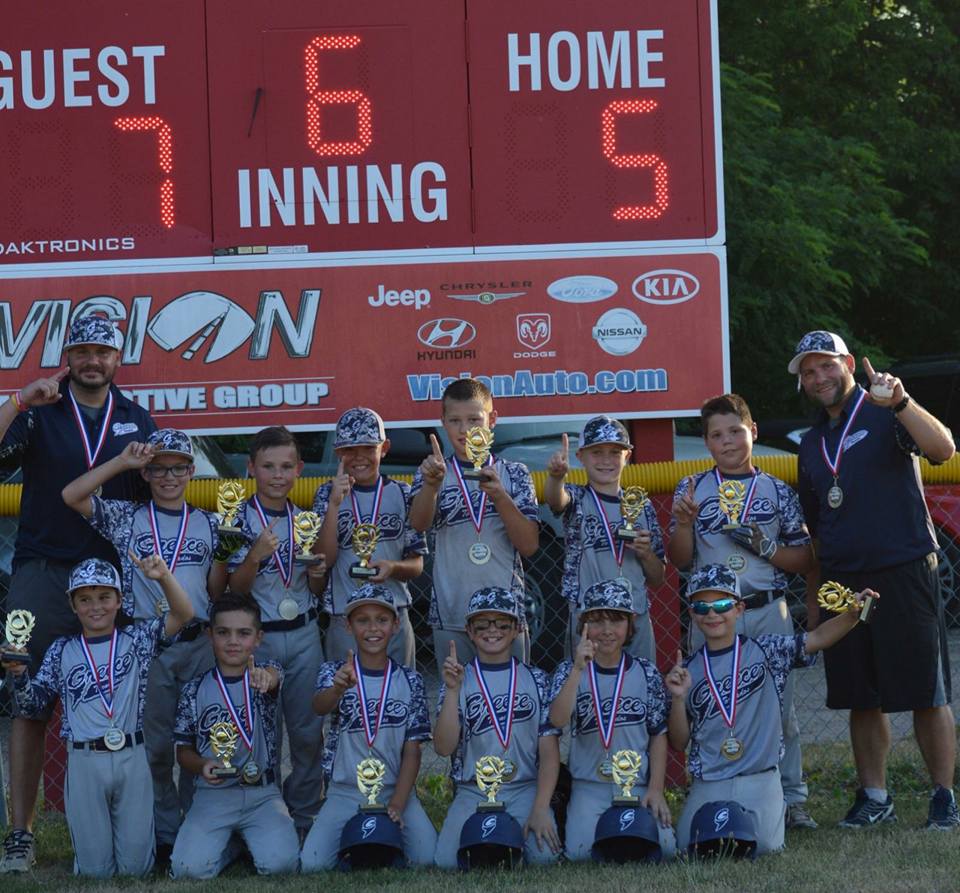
{"x":943,"y":814}
{"x":18,"y":855}
{"x":866,"y":812}
{"x":161,"y":859}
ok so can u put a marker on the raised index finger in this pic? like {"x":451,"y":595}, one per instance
{"x":679,"y":658}
{"x":868,"y":368}
{"x":340,"y":468}
{"x":565,"y":447}
{"x":435,"y":446}
{"x":61,"y":374}
{"x":453,"y":647}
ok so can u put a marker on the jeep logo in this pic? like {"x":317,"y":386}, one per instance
{"x":406,"y":297}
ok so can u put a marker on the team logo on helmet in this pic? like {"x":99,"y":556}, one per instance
{"x":368,"y":827}
{"x":720,"y":818}
{"x":626,"y":819}
{"x":488,"y":827}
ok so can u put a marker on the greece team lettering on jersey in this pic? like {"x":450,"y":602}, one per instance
{"x":765,"y":663}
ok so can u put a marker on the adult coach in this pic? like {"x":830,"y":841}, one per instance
{"x":60,"y":427}
{"x":861,"y":492}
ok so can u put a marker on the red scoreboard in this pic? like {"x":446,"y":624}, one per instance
{"x":205,"y":134}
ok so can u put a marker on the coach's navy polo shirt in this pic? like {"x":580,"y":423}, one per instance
{"x":883,"y":520}
{"x":52,"y":455}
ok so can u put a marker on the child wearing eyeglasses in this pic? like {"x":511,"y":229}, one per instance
{"x":735,"y":731}
{"x":187,"y":540}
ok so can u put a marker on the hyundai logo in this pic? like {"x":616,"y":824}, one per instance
{"x":446,"y":332}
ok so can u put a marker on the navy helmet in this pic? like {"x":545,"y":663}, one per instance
{"x":371,"y":840}
{"x":723,"y":828}
{"x":627,"y":834}
{"x":490,"y":840}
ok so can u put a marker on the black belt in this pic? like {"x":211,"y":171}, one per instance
{"x":277,"y":626}
{"x":100,"y":746}
{"x":761,"y":599}
{"x":192,"y":632}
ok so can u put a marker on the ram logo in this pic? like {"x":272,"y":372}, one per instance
{"x":446,"y":333}
{"x":666,"y":287}
{"x":533,"y":329}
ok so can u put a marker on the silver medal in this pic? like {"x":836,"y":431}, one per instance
{"x":625,"y":583}
{"x":251,"y":772}
{"x":732,"y":748}
{"x":835,"y":497}
{"x":736,"y":562}
{"x":114,"y":739}
{"x":288,"y":609}
{"x":479,"y":553}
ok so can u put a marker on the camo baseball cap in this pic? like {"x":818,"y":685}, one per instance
{"x":493,"y":598}
{"x":93,"y":572}
{"x":817,"y":342}
{"x":604,"y":429}
{"x":607,"y":595}
{"x":370,"y":594}
{"x":96,"y":330}
{"x":713,"y":578}
{"x":172,"y":441}
{"x":359,"y":427}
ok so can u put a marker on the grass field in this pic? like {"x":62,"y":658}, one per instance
{"x":901,"y":857}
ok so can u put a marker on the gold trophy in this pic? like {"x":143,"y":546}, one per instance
{"x":363,"y":541}
{"x":625,"y":767}
{"x":370,"y":774}
{"x":491,"y":773}
{"x":19,"y":626}
{"x":230,"y":494}
{"x":732,"y":495}
{"x":306,"y":529}
{"x":632,"y":503}
{"x":838,"y":599}
{"x":223,"y":743}
{"x":477,"y":447}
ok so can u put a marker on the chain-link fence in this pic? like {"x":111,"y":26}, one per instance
{"x":823,"y":732}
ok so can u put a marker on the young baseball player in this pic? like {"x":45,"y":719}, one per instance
{"x":243,"y":693}
{"x":612,"y":701}
{"x":187,"y":539}
{"x":591,"y":518}
{"x":735,"y":732}
{"x":771,"y":542}
{"x":359,"y":494}
{"x":100,"y":677}
{"x":285,"y":591}
{"x":378,"y":712}
{"x":497,"y":706}
{"x":482,"y":528}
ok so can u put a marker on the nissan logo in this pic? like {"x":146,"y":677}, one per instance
{"x":446,"y":332}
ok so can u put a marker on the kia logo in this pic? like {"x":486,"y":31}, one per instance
{"x":446,"y":332}
{"x":666,"y":287}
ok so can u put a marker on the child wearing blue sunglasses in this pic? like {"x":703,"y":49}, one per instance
{"x":735,"y":732}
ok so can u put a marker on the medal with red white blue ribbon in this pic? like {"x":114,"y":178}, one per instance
{"x":479,"y":552}
{"x":732,"y":747}
{"x":285,"y":570}
{"x":370,"y":729}
{"x":173,"y":558}
{"x":375,"y":509}
{"x":835,"y":494}
{"x":606,"y":729}
{"x":616,"y":548}
{"x":244,"y":730}
{"x":504,"y":732}
{"x":114,"y":738}
{"x":92,"y":453}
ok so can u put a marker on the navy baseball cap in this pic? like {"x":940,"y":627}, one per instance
{"x":607,"y":595}
{"x":370,"y":594}
{"x":713,"y":578}
{"x":493,"y":598}
{"x":490,"y":840}
{"x":359,"y":427}
{"x":93,"y":572}
{"x":172,"y":442}
{"x":604,"y":429}
{"x":723,"y":828}
{"x":626,"y":834}
{"x":96,"y":330}
{"x":370,"y":840}
{"x":817,"y":342}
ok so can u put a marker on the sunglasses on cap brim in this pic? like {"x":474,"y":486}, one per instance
{"x":720,"y":606}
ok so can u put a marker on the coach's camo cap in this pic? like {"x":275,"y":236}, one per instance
{"x":93,"y":572}
{"x":817,"y":342}
{"x":607,"y":595}
{"x":713,"y":578}
{"x":603,"y":429}
{"x":493,"y":598}
{"x":171,"y":441}
{"x":370,"y":594}
{"x":96,"y":330}
{"x":359,"y":427}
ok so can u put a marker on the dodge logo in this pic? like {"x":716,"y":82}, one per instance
{"x":446,"y":332}
{"x":533,"y":329}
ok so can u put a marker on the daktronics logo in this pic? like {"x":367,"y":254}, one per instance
{"x":533,"y":332}
{"x":666,"y":287}
{"x":446,"y":337}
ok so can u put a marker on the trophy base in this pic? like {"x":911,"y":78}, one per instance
{"x":14,"y":657}
{"x":627,"y":534}
{"x":487,"y":806}
{"x":230,"y":530}
{"x":728,"y":527}
{"x":867,"y":610}
{"x":308,"y":560}
{"x":373,"y":809}
{"x":224,"y":772}
{"x":472,"y":474}
{"x":362,"y":572}
{"x":626,"y":801}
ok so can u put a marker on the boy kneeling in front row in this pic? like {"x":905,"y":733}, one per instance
{"x":735,"y":732}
